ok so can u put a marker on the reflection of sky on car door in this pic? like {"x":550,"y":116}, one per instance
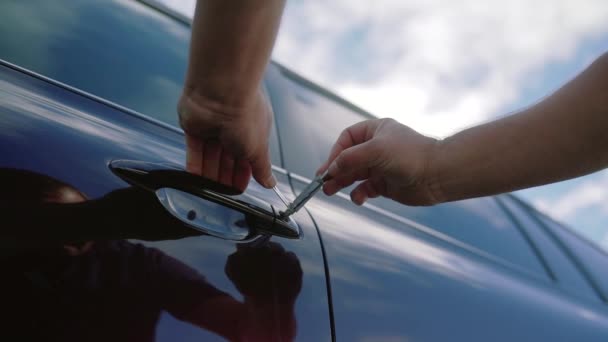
{"x":134,"y":59}
{"x":377,"y":270}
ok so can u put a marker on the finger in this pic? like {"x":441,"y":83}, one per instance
{"x":211,"y":160}
{"x":242,"y":174}
{"x":226,"y":168}
{"x":262,"y":169}
{"x":340,"y":182}
{"x":353,"y":135}
{"x":194,"y":154}
{"x":354,"y":159}
{"x":371,"y":188}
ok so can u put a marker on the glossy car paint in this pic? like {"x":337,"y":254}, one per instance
{"x":53,"y":132}
{"x":395,"y":280}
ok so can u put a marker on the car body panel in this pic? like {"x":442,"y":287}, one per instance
{"x":391,"y":281}
{"x":55,"y":133}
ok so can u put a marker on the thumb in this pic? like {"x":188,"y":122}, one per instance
{"x":354,"y":159}
{"x":261,"y":168}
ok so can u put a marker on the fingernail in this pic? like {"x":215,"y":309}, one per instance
{"x":357,"y":198}
{"x":271,"y":182}
{"x":330,"y":192}
{"x":329,"y":188}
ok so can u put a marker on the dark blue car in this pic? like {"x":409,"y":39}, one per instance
{"x":105,"y":237}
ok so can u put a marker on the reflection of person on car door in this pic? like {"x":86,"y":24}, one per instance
{"x":69,"y":288}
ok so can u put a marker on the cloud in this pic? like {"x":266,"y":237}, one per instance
{"x":592,"y":193}
{"x":185,"y":7}
{"x":436,"y":65}
{"x":581,"y":203}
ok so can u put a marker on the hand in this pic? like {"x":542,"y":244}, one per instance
{"x":391,"y":159}
{"x":227,"y":144}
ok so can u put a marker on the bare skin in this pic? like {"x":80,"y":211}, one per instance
{"x":563,"y":136}
{"x":223,"y":110}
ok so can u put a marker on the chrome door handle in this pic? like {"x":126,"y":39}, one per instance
{"x":205,"y":205}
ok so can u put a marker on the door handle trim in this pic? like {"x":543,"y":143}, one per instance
{"x":172,"y":185}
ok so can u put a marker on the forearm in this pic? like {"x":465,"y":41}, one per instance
{"x":561,"y":137}
{"x":230,"y":47}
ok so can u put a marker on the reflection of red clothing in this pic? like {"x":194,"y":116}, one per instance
{"x":114,"y":292}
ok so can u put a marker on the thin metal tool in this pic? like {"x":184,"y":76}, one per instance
{"x":309,"y":191}
{"x":280,"y":195}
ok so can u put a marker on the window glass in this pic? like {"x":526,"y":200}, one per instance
{"x":592,"y":259}
{"x":309,"y":121}
{"x":566,"y":274}
{"x":122,"y":51}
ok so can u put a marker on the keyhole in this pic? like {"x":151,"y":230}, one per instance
{"x":191,"y":215}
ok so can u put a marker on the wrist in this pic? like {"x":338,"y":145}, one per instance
{"x":223,"y":94}
{"x":195,"y":107}
{"x":433,"y":173}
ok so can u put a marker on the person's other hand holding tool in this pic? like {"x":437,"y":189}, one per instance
{"x":391,"y":159}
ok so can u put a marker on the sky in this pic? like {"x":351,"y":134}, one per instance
{"x":439,"y":66}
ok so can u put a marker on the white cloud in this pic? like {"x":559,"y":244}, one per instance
{"x":185,"y":7}
{"x":592,"y":193}
{"x":583,"y":205}
{"x":436,"y":65}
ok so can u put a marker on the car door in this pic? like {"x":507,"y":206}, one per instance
{"x":461,"y":271}
{"x":91,"y":254}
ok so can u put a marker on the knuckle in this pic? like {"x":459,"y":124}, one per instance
{"x":375,"y":146}
{"x":388,"y":122}
{"x":345,"y":133}
{"x":343,"y":160}
{"x":343,"y":181}
{"x":376,"y":151}
{"x":344,"y":139}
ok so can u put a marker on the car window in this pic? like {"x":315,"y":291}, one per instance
{"x":309,"y":122}
{"x":555,"y":254}
{"x":308,"y":119}
{"x":122,"y":51}
{"x":591,"y":259}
